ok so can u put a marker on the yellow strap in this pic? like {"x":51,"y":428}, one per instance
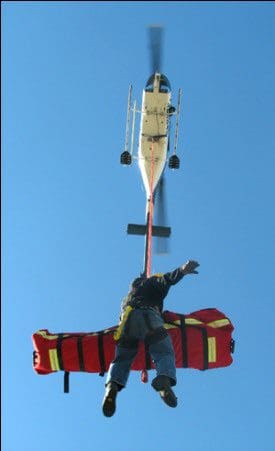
{"x":126,"y":313}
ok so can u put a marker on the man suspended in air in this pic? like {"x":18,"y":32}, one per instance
{"x":141,"y":320}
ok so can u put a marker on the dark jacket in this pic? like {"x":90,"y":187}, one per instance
{"x":150,"y":292}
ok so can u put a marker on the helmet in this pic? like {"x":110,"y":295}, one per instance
{"x":136,"y":282}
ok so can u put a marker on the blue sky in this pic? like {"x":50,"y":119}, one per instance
{"x":67,"y":261}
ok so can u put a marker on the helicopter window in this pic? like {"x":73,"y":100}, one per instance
{"x":150,"y":84}
{"x":163,"y":88}
{"x":149,"y":88}
{"x":164,"y":84}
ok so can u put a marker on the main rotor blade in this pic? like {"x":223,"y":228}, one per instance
{"x":155,"y":44}
{"x":161,"y":244}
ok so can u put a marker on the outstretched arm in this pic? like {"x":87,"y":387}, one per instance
{"x":171,"y":278}
{"x":189,"y":267}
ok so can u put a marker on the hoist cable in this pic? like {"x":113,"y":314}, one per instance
{"x":151,"y":212}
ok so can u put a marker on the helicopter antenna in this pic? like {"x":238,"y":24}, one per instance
{"x":177,"y":122}
{"x":128,"y":118}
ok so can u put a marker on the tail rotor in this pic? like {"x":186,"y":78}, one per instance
{"x":155,"y":37}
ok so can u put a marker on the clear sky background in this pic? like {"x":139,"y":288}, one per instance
{"x":67,"y":260}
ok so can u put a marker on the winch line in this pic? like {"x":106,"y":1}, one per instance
{"x":148,"y":249}
{"x":151,"y":213}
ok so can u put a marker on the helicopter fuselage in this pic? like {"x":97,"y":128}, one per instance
{"x":154,"y":131}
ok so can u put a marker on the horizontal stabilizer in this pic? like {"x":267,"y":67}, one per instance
{"x":139,"y":229}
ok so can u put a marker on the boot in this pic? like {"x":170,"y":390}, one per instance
{"x":162,"y":384}
{"x":109,"y":401}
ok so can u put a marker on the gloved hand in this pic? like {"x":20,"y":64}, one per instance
{"x":189,"y":267}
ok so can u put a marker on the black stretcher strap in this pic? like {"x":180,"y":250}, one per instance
{"x":203,"y":330}
{"x":205,"y":347}
{"x":183,"y":342}
{"x":61,"y":364}
{"x":101,"y":355}
{"x":59,"y":351}
{"x":66,"y":381}
{"x":34,"y":357}
{"x":80,"y":353}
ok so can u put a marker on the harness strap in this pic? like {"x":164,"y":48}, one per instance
{"x":123,"y":323}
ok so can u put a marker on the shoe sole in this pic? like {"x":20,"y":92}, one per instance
{"x":168,"y":396}
{"x":109,"y":403}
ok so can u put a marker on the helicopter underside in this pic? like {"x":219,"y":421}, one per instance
{"x":153,"y":138}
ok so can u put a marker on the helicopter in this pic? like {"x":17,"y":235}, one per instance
{"x":156,"y":113}
{"x":203,"y":339}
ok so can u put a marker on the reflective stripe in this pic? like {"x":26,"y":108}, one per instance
{"x":54,"y":360}
{"x":44,"y":334}
{"x":188,"y":321}
{"x":212,"y":354}
{"x":193,"y":321}
{"x":169,"y":326}
{"x":219,"y":323}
